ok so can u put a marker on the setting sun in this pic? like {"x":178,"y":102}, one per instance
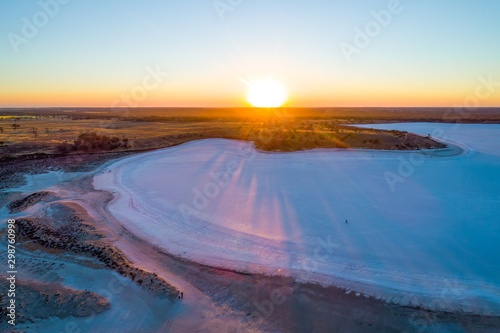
{"x":266,"y":93}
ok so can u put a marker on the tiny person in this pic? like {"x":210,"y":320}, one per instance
{"x":346,"y":221}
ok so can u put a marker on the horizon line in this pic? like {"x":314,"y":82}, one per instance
{"x":244,"y":107}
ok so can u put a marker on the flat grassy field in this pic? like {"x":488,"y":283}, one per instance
{"x":56,"y":130}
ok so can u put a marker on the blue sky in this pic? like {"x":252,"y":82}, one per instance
{"x":431,"y":53}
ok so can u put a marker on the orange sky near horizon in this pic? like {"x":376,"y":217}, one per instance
{"x":184,"y":54}
{"x":177,"y":98}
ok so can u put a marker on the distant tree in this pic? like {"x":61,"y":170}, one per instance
{"x":34,"y":130}
{"x":1,"y":129}
{"x":63,"y":148}
{"x":92,"y":141}
{"x":47,"y":131}
{"x":15,"y":126}
{"x":125,"y":142}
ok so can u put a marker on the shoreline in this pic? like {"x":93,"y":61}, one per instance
{"x":196,"y":277}
{"x":323,"y":277}
{"x":209,"y":286}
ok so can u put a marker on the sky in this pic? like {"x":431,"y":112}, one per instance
{"x":205,"y":53}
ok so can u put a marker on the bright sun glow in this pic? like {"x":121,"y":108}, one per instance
{"x":266,"y":93}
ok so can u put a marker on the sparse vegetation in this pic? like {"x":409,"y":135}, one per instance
{"x":292,"y":135}
{"x":93,"y":142}
{"x":142,"y":129}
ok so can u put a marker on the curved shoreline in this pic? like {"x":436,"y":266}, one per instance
{"x":233,"y":288}
{"x":460,"y":151}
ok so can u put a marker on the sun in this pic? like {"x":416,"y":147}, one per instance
{"x":266,"y":93}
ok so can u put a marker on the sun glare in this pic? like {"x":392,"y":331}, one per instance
{"x":266,"y":93}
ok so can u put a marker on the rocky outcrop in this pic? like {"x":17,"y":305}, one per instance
{"x":20,"y":205}
{"x":81,"y":238}
{"x":40,"y":300}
